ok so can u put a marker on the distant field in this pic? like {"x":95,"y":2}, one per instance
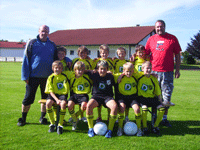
{"x":185,"y":118}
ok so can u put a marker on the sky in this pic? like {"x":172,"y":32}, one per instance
{"x":21,"y":19}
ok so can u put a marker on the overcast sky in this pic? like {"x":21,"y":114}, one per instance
{"x":20,"y":19}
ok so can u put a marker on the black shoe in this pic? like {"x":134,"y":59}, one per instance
{"x":21,"y":122}
{"x":166,"y":123}
{"x":43,"y":120}
{"x":59,"y":129}
{"x":145,"y":132}
{"x":51,"y":128}
{"x":156,"y":130}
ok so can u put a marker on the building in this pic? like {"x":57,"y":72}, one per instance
{"x":127,"y":37}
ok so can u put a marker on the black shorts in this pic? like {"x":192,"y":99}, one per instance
{"x":79,"y":98}
{"x":31,"y":89}
{"x":128,"y":100}
{"x":60,"y":97}
{"x":150,"y":102}
{"x":102,"y":100}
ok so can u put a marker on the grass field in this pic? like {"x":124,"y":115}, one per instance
{"x":185,"y":118}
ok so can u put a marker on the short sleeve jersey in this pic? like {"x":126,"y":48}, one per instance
{"x":110,"y":64}
{"x":138,"y":64}
{"x":127,"y":86}
{"x":148,"y":87}
{"x":162,"y":49}
{"x":65,"y":68}
{"x":118,"y":65}
{"x":58,"y":84}
{"x":88,"y":63}
{"x":81,"y":85}
{"x":102,"y":86}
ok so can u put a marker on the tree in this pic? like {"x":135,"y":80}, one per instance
{"x":194,"y":47}
{"x":188,"y":58}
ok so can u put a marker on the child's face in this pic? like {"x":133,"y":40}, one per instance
{"x":82,"y":55}
{"x":146,"y":69}
{"x":121,"y":55}
{"x":102,"y":71}
{"x":57,"y":69}
{"x":141,"y":53}
{"x":104,"y":54}
{"x":128,"y":72}
{"x":61,"y":55}
{"x":79,"y":72}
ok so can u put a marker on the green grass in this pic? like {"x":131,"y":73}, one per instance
{"x":185,"y":118}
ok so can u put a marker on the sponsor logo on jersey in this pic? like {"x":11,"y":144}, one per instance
{"x":121,"y":69}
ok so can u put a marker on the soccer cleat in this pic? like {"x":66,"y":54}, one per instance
{"x":108,"y":134}
{"x":145,"y":131}
{"x":126,"y":119}
{"x":139,"y":132}
{"x":21,"y":122}
{"x":91,"y":132}
{"x":98,"y":120}
{"x":74,"y":126}
{"x":43,"y":120}
{"x":60,"y":129}
{"x":167,"y":103}
{"x":166,"y":123}
{"x":156,"y":130}
{"x":51,"y":128}
{"x":84,"y":119}
{"x":119,"y":132}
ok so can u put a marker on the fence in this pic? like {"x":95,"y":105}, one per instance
{"x":11,"y":59}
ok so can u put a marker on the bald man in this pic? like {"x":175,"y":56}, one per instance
{"x":38,"y":57}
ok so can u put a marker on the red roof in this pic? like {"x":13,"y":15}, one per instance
{"x":122,"y":35}
{"x":4,"y":44}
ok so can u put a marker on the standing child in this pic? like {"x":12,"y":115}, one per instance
{"x":102,"y":94}
{"x":80,"y":85}
{"x":149,"y":96}
{"x":126,"y":96}
{"x":57,"y":88}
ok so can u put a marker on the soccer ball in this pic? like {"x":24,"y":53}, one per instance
{"x":130,"y":128}
{"x":100,"y":128}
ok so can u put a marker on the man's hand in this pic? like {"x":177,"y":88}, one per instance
{"x":177,"y":74}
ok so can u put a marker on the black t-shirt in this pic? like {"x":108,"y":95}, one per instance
{"x":102,"y":86}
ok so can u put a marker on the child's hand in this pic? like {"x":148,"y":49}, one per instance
{"x":109,"y":72}
{"x":120,"y":78}
{"x":58,"y":102}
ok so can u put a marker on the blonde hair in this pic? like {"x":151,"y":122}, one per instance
{"x":121,"y":49}
{"x":57,"y":63}
{"x":82,"y":49}
{"x":102,"y":63}
{"x":146,"y":63}
{"x":79,"y":65}
{"x":103,"y":47}
{"x":128,"y":65}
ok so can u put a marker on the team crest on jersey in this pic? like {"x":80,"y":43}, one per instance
{"x":80,"y":87}
{"x":139,"y":67}
{"x":127,"y":87}
{"x":60,"y":85}
{"x":144,"y":87}
{"x":108,"y":82}
{"x":121,"y":69}
{"x":102,"y":86}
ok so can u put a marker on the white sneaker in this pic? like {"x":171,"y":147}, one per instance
{"x":166,"y":103}
{"x":74,"y":126}
{"x":126,"y":119}
{"x":84,"y":119}
{"x":139,"y":133}
{"x":119,"y":131}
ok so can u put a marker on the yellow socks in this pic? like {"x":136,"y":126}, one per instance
{"x":144,"y":117}
{"x":73,"y":115}
{"x":112,"y":122}
{"x":50,"y":114}
{"x":161,"y":112}
{"x":62,"y":116}
{"x":90,"y":121}
{"x":138,"y":118}
{"x":120,"y":119}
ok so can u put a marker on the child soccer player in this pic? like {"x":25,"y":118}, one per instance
{"x":104,"y":53}
{"x":102,"y":94}
{"x":57,"y":87}
{"x":118,"y":66}
{"x":83,"y":56}
{"x":138,"y":58}
{"x":61,"y":52}
{"x":126,"y":96}
{"x":80,"y":84}
{"x":149,"y":96}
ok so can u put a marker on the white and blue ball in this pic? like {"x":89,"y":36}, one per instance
{"x":100,"y":128}
{"x":130,"y":128}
